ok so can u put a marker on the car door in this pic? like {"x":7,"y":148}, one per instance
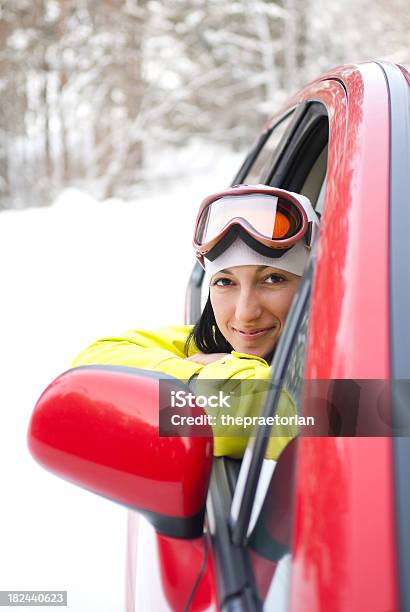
{"x":344,"y":508}
{"x":334,"y":146}
{"x":325,"y":528}
{"x":292,"y":152}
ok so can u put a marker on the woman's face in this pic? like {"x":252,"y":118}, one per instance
{"x":251,"y":304}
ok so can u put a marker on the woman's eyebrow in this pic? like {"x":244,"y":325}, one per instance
{"x":275,"y":270}
{"x":225,"y":271}
{"x":229,"y":271}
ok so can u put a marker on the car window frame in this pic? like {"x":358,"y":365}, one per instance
{"x":278,"y":162}
{"x":313,"y":122}
{"x":193,"y":297}
{"x":232,"y":564}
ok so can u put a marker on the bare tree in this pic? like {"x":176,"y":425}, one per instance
{"x":94,"y":90}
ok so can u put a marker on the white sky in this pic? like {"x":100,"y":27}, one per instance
{"x":71,"y":273}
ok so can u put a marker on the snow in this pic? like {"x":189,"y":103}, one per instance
{"x":71,"y":273}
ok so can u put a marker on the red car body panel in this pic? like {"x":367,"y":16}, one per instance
{"x":205,"y":598}
{"x":341,"y":529}
{"x":180,"y":564}
{"x":350,"y":339}
{"x":344,"y":550}
{"x":169,"y":571}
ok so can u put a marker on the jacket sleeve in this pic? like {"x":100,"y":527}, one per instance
{"x":159,"y":351}
{"x":251,"y":377}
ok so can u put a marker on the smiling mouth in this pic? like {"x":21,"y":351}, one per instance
{"x":256,"y":333}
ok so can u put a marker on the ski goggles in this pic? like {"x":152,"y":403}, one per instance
{"x":274,"y":218}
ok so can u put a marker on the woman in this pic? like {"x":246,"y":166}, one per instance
{"x":253,"y":241}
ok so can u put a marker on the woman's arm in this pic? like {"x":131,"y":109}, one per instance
{"x":252,"y":377}
{"x":160,"y":351}
{"x":163,"y":351}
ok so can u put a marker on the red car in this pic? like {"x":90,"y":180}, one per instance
{"x":327,"y":527}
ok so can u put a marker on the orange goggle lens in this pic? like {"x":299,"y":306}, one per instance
{"x":282,"y":225}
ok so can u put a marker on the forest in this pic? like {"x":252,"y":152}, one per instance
{"x":100,"y":94}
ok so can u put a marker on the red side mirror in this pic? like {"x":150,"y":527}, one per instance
{"x":97,"y":426}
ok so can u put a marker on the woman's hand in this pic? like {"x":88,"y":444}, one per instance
{"x":206,"y":358}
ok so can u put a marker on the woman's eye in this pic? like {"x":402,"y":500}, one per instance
{"x":274,"y":279}
{"x":222,"y":282}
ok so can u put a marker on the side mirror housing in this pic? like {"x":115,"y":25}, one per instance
{"x":98,"y":427}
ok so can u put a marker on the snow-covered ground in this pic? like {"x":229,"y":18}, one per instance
{"x":71,"y":273}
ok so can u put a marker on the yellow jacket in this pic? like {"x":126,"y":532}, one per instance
{"x":163,"y":351}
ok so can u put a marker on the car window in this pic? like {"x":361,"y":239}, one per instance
{"x":264,"y":157}
{"x":302,"y":167}
{"x":257,"y":164}
{"x":261,"y":512}
{"x":262,"y":154}
{"x":291,"y":155}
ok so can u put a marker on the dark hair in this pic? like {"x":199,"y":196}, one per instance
{"x":207,"y":336}
{"x":206,"y":333}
